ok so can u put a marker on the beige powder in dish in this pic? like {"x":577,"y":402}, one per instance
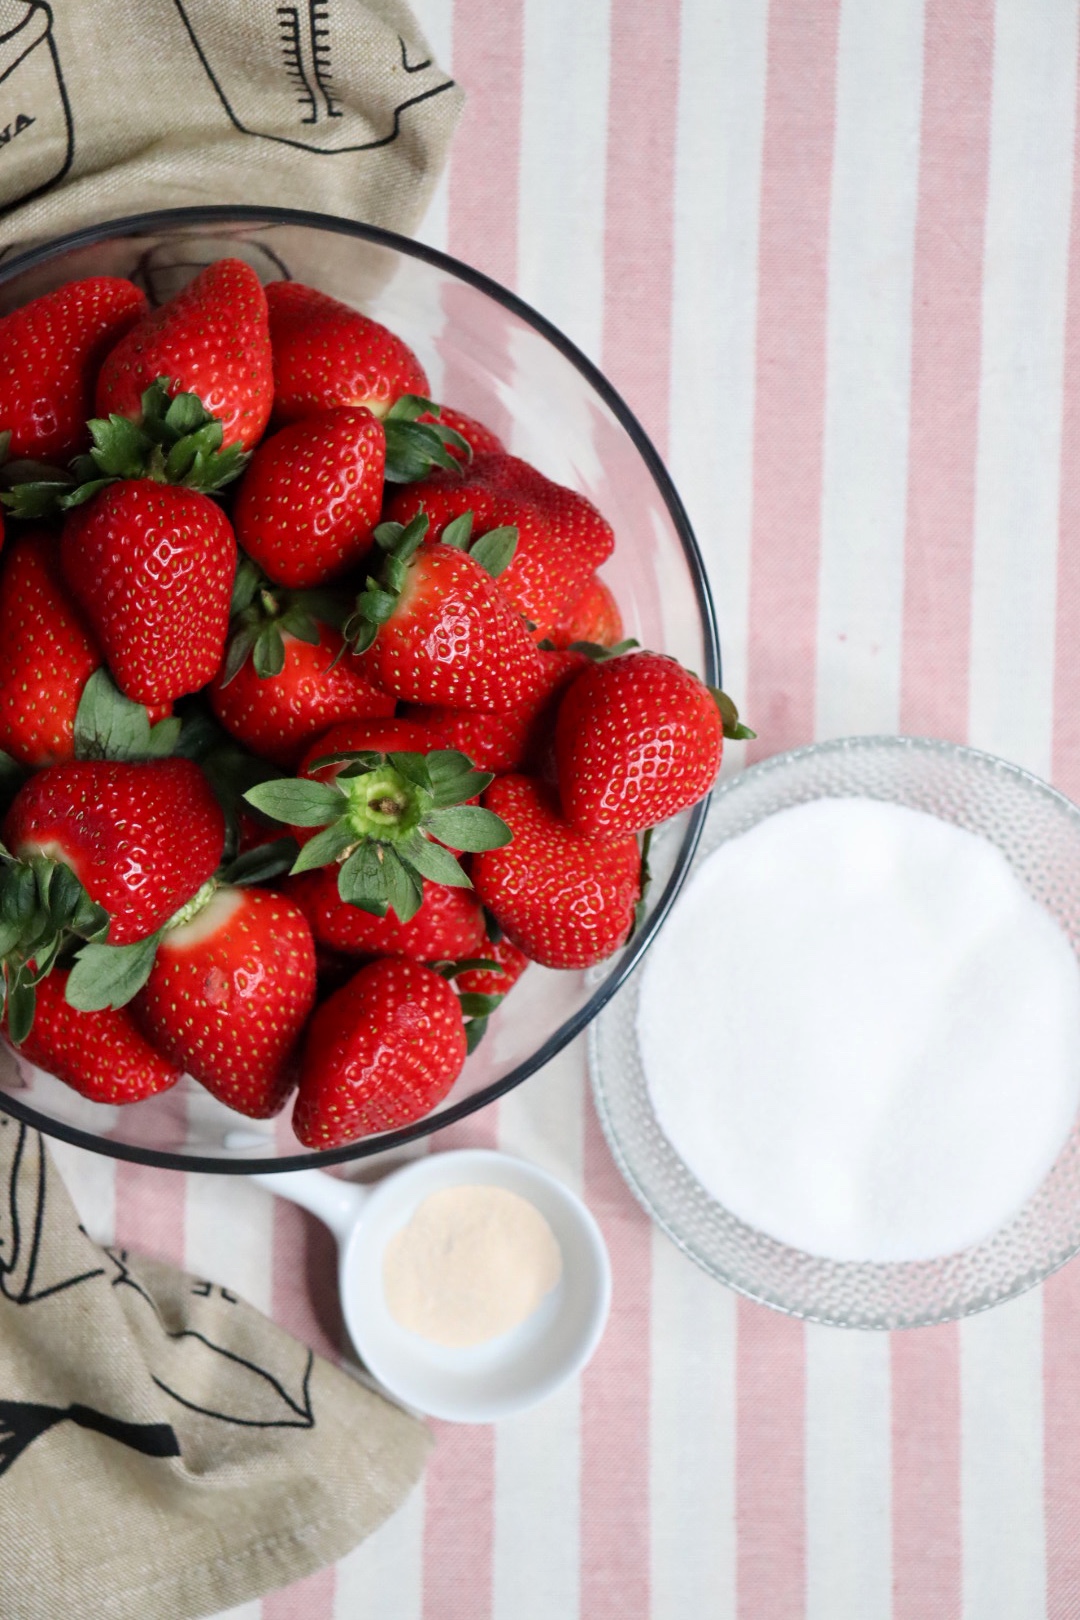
{"x":470,"y":1265}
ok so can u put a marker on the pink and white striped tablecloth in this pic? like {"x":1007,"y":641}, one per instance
{"x":830,"y":252}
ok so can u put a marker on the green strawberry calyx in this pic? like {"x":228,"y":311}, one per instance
{"x":414,"y":447}
{"x":476,"y":1008}
{"x":734,"y":729}
{"x":263,"y":614}
{"x":399,"y":543}
{"x":386,"y":820}
{"x":43,"y":909}
{"x":176,"y":441}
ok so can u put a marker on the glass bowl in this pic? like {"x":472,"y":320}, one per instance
{"x":491,"y":355}
{"x":1038,"y":831}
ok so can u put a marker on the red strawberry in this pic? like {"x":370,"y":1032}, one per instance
{"x":152,"y":566}
{"x":311,"y":498}
{"x":638,"y":739}
{"x":380,"y":1053}
{"x":561,"y":537}
{"x":229,"y":994}
{"x":213,"y":340}
{"x":50,"y":351}
{"x":479,"y":437}
{"x":381,"y":736}
{"x":451,"y":637}
{"x":102,"y":1055}
{"x":326,"y":354}
{"x":448,"y":926}
{"x":277,"y":716}
{"x":504,"y":742}
{"x":594,"y":617}
{"x":48,"y":653}
{"x":565,"y":900}
{"x":494,"y":981}
{"x":141,"y":838}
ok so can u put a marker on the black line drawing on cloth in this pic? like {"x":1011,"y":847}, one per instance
{"x":27,"y":1274}
{"x":166,"y":268}
{"x":36,"y":133}
{"x":23,"y":1422}
{"x":281,"y":87}
{"x":183,"y":1361}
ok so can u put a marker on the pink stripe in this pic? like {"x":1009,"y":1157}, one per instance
{"x":639,"y":229}
{"x":789,"y":419}
{"x":949,"y":234}
{"x":150,"y":1211}
{"x":770,"y":1465}
{"x":1067,"y":640}
{"x":615,"y":1525}
{"x":926,"y":1473}
{"x":1061,"y":1442}
{"x":488,"y":63}
{"x":310,"y":1599}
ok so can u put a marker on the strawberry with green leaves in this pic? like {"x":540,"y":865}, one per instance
{"x":381,"y":1052}
{"x":565,"y":900}
{"x":229,"y":994}
{"x":435,"y":628}
{"x":561,"y":537}
{"x":49,"y":652}
{"x":505,"y":742}
{"x":638,"y":739}
{"x":387,"y":821}
{"x":326,"y":354}
{"x":102,"y":1055}
{"x":287,"y":676}
{"x":50,"y":352}
{"x":212,"y":340}
{"x":477,"y":437}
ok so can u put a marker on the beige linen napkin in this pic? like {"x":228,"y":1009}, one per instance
{"x":109,"y":107}
{"x":165,"y":1451}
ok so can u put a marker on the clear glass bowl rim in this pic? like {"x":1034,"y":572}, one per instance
{"x":244,"y":214}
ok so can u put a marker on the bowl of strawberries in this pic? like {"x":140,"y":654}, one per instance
{"x":358,"y":689}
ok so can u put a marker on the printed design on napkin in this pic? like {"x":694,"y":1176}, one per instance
{"x":28,"y":1272}
{"x":23,"y":1422}
{"x":35,"y":113}
{"x":185,"y":1361}
{"x":165,"y":269}
{"x":283,"y":86}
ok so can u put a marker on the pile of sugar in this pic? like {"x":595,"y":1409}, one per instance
{"x":861,"y":1034}
{"x":472,"y":1263}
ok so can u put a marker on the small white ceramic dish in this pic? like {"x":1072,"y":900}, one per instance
{"x":487,"y":1381}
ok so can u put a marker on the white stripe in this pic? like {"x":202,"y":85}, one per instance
{"x":713,"y":333}
{"x":232,"y":1204}
{"x":1020,"y":400}
{"x":90,"y":1178}
{"x":871,"y":264}
{"x":383,"y":1578}
{"x":692,"y":1440}
{"x":436,"y":18}
{"x":564,"y":105}
{"x":538,"y":1454}
{"x":848,"y":1476}
{"x":1001,"y":1466}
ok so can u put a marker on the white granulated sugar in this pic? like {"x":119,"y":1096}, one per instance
{"x":861,"y":1034}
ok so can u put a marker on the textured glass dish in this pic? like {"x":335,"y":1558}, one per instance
{"x":1038,"y":830}
{"x":488,"y":353}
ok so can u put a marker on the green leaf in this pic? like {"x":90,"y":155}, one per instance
{"x":362,"y":879}
{"x":468,"y":827}
{"x":239,"y":649}
{"x":249,"y":578}
{"x":83,"y":493}
{"x":369,"y":758}
{"x":476,"y":1005}
{"x":407,"y":407}
{"x":412,"y":449}
{"x":12,"y":777}
{"x":458,"y":532}
{"x":185,"y":413}
{"x":10,"y":934}
{"x":18,"y":893}
{"x":434,"y":862}
{"x":494,"y":551}
{"x":110,"y":975}
{"x":89,"y":921}
{"x":325,"y":848}
{"x":268,"y":653}
{"x":36,"y":500}
{"x":262,"y":863}
{"x":413,"y":767}
{"x":456,"y":789}
{"x":64,"y":895}
{"x":299,"y":623}
{"x":109,"y":725}
{"x":729,"y":714}
{"x":405,"y":890}
{"x":21,"y":1005}
{"x":120,"y":446}
{"x":475,"y":1030}
{"x":297,"y":801}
